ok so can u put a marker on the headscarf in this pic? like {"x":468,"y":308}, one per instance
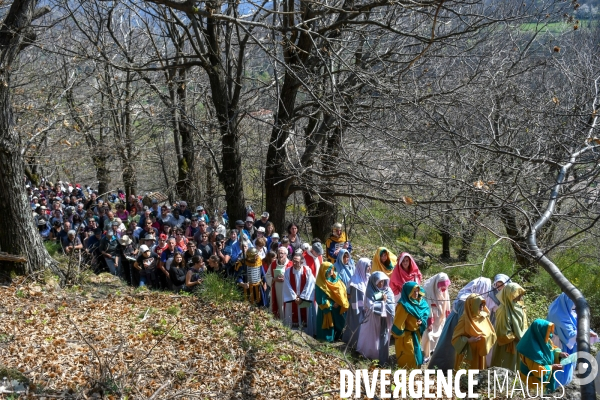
{"x":333,"y":288}
{"x":482,"y":286}
{"x":498,"y":278}
{"x":417,"y":308}
{"x":399,"y":276}
{"x":344,"y":271}
{"x":359,"y":281}
{"x":435,"y":297}
{"x":372,"y":290}
{"x":565,"y":323}
{"x":378,"y":266}
{"x":511,"y":317}
{"x":475,"y":322}
{"x":537,"y":346}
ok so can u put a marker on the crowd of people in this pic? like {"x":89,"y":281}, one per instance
{"x":315,"y":286}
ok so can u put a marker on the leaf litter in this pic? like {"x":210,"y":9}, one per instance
{"x":111,"y":341}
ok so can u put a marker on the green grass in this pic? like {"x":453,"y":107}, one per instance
{"x":218,"y":290}
{"x":53,"y":248}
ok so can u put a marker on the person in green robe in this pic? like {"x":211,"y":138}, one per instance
{"x":332,"y":302}
{"x":511,"y":325}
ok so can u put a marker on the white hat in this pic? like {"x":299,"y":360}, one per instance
{"x":144,"y":248}
{"x":275,"y":235}
{"x":261,"y":229}
{"x":125,"y":240}
{"x":183,"y":203}
{"x":249,"y":219}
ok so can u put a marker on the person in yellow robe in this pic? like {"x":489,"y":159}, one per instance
{"x":511,"y":324}
{"x":384,"y":261}
{"x":410,"y":321}
{"x":474,"y":334}
{"x":539,"y":358}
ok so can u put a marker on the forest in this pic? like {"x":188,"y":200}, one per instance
{"x":463,"y":131}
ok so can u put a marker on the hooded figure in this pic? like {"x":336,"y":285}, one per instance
{"x":500,"y":280}
{"x":438,"y":298}
{"x":537,"y":355}
{"x":332,"y":303}
{"x":444,"y":356}
{"x":345,"y":270}
{"x":474,"y":334}
{"x":379,"y":311}
{"x":511,"y":324}
{"x":356,"y":289}
{"x":410,"y":322}
{"x":384,"y":261}
{"x":404,"y":273}
{"x":562,"y":314}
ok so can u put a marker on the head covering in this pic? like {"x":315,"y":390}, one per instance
{"x":511,"y":317}
{"x":417,"y":308}
{"x":144,"y":248}
{"x":318,"y":248}
{"x":359,"y":281}
{"x":482,"y":286}
{"x":565,"y":323}
{"x":399,"y":276}
{"x":372,"y":292}
{"x":125,"y":240}
{"x":438,"y":301}
{"x":536,"y":345}
{"x":475,"y":322}
{"x":345,"y":271}
{"x":498,"y":278}
{"x":333,"y":288}
{"x":378,"y":266}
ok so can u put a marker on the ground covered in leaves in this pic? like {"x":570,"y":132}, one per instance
{"x":103,"y":339}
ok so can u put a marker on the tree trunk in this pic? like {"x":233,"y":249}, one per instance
{"x":20,"y":236}
{"x":518,"y":241}
{"x":210,"y":204}
{"x":102,"y":174}
{"x":321,"y":215}
{"x":446,"y":237}
{"x":468,"y":235}
{"x":129,"y":179}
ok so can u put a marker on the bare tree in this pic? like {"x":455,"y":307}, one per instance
{"x":21,"y":237}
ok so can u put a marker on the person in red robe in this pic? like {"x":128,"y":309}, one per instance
{"x":298,"y":293}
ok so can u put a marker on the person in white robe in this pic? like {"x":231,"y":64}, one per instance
{"x":438,"y":298}
{"x":298,"y":293}
{"x":275,"y":278}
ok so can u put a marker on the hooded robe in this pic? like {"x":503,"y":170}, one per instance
{"x":399,"y":276}
{"x":332,"y":303}
{"x":374,"y":337}
{"x":444,"y":356}
{"x":473,"y":323}
{"x":357,"y":288}
{"x":410,"y":321}
{"x":439,"y":303}
{"x":511,"y":324}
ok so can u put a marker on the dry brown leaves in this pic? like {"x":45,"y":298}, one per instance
{"x":136,"y":343}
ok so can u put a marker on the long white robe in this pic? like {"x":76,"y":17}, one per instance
{"x":291,"y":293}
{"x":439,"y":303}
{"x":278,"y":289}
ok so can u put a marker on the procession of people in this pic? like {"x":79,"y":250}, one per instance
{"x":315,"y":286}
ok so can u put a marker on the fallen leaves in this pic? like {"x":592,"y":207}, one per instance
{"x":209,"y":350}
